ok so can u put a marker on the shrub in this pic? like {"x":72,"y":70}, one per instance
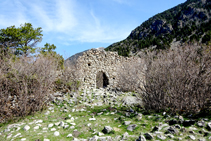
{"x":170,"y":80}
{"x":24,"y":85}
{"x":178,"y":80}
{"x":130,"y":75}
{"x":67,"y":81}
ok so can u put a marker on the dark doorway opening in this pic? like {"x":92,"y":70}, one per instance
{"x":101,"y":80}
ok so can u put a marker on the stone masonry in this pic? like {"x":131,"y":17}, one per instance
{"x":97,"y":64}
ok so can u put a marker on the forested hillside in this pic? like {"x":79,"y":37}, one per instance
{"x":186,"y":23}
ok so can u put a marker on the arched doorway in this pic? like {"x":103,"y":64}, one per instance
{"x":101,"y":80}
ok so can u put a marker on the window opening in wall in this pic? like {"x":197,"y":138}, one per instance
{"x":101,"y":80}
{"x":89,"y":64}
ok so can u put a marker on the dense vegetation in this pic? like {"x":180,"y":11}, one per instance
{"x":28,"y":74}
{"x":177,"y":81}
{"x":187,"y":23}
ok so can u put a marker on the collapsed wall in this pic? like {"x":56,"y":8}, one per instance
{"x":98,"y":68}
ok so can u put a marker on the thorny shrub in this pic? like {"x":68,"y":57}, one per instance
{"x":25,"y":84}
{"x":67,"y":81}
{"x":176,"y":80}
{"x":131,"y":75}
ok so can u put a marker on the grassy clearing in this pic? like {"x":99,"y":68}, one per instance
{"x":77,"y":117}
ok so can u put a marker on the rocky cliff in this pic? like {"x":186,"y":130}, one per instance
{"x":188,"y":22}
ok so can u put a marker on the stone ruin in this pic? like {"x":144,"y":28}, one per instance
{"x":98,"y":68}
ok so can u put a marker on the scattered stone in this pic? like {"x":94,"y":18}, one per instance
{"x":9,"y":136}
{"x":65,"y":110}
{"x":177,"y":126}
{"x":107,"y":129}
{"x":131,"y":127}
{"x":117,"y":138}
{"x":53,"y":129}
{"x":23,"y":139}
{"x":69,"y":120}
{"x":139,"y":116}
{"x":76,"y":133}
{"x":191,"y":132}
{"x":125,"y":136}
{"x":201,"y":123}
{"x":161,"y":137}
{"x":47,"y":113}
{"x":170,"y":136}
{"x":69,"y":135}
{"x":75,"y":139}
{"x":100,"y":113}
{"x":148,"y":136}
{"x":46,"y":140}
{"x":209,"y":126}
{"x":73,"y":123}
{"x":172,"y":122}
{"x":56,"y":133}
{"x":172,"y":130}
{"x":17,"y":135}
{"x":95,"y":138}
{"x":50,"y":125}
{"x":7,"y":130}
{"x":92,"y":119}
{"x":57,"y":124}
{"x":45,"y":128}
{"x":26,"y":128}
{"x":102,"y":139}
{"x":141,"y":138}
{"x":131,"y":100}
{"x":127,"y":122}
{"x":39,"y":121}
{"x":100,"y":134}
{"x":51,"y":108}
{"x":155,"y":129}
{"x":188,"y":123}
{"x":66,"y":126}
{"x":192,"y":137}
{"x":201,"y":139}
{"x":180,"y":139}
{"x":36,"y":127}
{"x":72,"y":127}
{"x":18,"y":128}
{"x":61,"y":124}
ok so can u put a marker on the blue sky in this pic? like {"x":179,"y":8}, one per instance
{"x":77,"y":25}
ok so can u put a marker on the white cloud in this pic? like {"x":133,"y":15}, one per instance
{"x":64,"y":18}
{"x":11,"y":13}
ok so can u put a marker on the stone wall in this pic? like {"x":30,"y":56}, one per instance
{"x":97,"y":64}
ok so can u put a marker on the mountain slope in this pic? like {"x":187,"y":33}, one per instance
{"x":185,"y":23}
{"x":72,"y":59}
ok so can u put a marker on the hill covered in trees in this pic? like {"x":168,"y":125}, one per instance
{"x":186,"y":23}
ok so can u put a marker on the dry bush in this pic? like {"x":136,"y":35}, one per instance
{"x":178,"y":80}
{"x":67,"y":81}
{"x":24,"y":85}
{"x":131,"y":75}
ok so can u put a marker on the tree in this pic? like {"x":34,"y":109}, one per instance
{"x":21,"y":40}
{"x":48,"y":50}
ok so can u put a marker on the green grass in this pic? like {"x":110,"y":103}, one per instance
{"x":116,"y":121}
